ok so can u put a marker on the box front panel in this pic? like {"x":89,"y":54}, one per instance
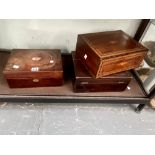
{"x":18,"y":75}
{"x":119,"y":64}
{"x":34,"y":82}
{"x":107,"y":87}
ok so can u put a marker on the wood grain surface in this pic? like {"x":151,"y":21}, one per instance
{"x":34,"y":68}
{"x":109,"y":52}
{"x":84,"y":82}
{"x":66,"y":90}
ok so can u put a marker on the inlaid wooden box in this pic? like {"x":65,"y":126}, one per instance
{"x":84,"y":82}
{"x":34,"y":68}
{"x":106,"y":53}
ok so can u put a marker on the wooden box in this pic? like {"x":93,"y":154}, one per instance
{"x":109,"y":52}
{"x":84,"y":82}
{"x":34,"y":68}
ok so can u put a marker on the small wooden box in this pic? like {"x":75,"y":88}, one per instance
{"x":109,"y":52}
{"x":84,"y":82}
{"x":34,"y":68}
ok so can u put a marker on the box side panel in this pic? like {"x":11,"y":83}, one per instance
{"x":88,"y":57}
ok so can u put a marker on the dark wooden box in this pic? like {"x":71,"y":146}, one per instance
{"x":34,"y":68}
{"x":109,"y":52}
{"x":84,"y":82}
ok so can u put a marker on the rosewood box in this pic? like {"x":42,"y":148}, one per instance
{"x":84,"y":82}
{"x":34,"y":68}
{"x":106,"y":53}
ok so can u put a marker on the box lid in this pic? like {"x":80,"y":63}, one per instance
{"x":29,"y":62}
{"x":112,"y":43}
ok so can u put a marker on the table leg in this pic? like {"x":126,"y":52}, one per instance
{"x":139,"y":108}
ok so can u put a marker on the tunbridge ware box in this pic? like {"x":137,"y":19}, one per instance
{"x":110,"y":52}
{"x":34,"y":68}
{"x":84,"y":82}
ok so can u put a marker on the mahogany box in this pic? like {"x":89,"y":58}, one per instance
{"x":110,"y":52}
{"x":34,"y":68}
{"x":84,"y":82}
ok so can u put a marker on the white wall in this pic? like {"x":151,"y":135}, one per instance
{"x":55,"y":33}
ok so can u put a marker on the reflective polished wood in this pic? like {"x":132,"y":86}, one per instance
{"x":106,"y":53}
{"x":34,"y":68}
